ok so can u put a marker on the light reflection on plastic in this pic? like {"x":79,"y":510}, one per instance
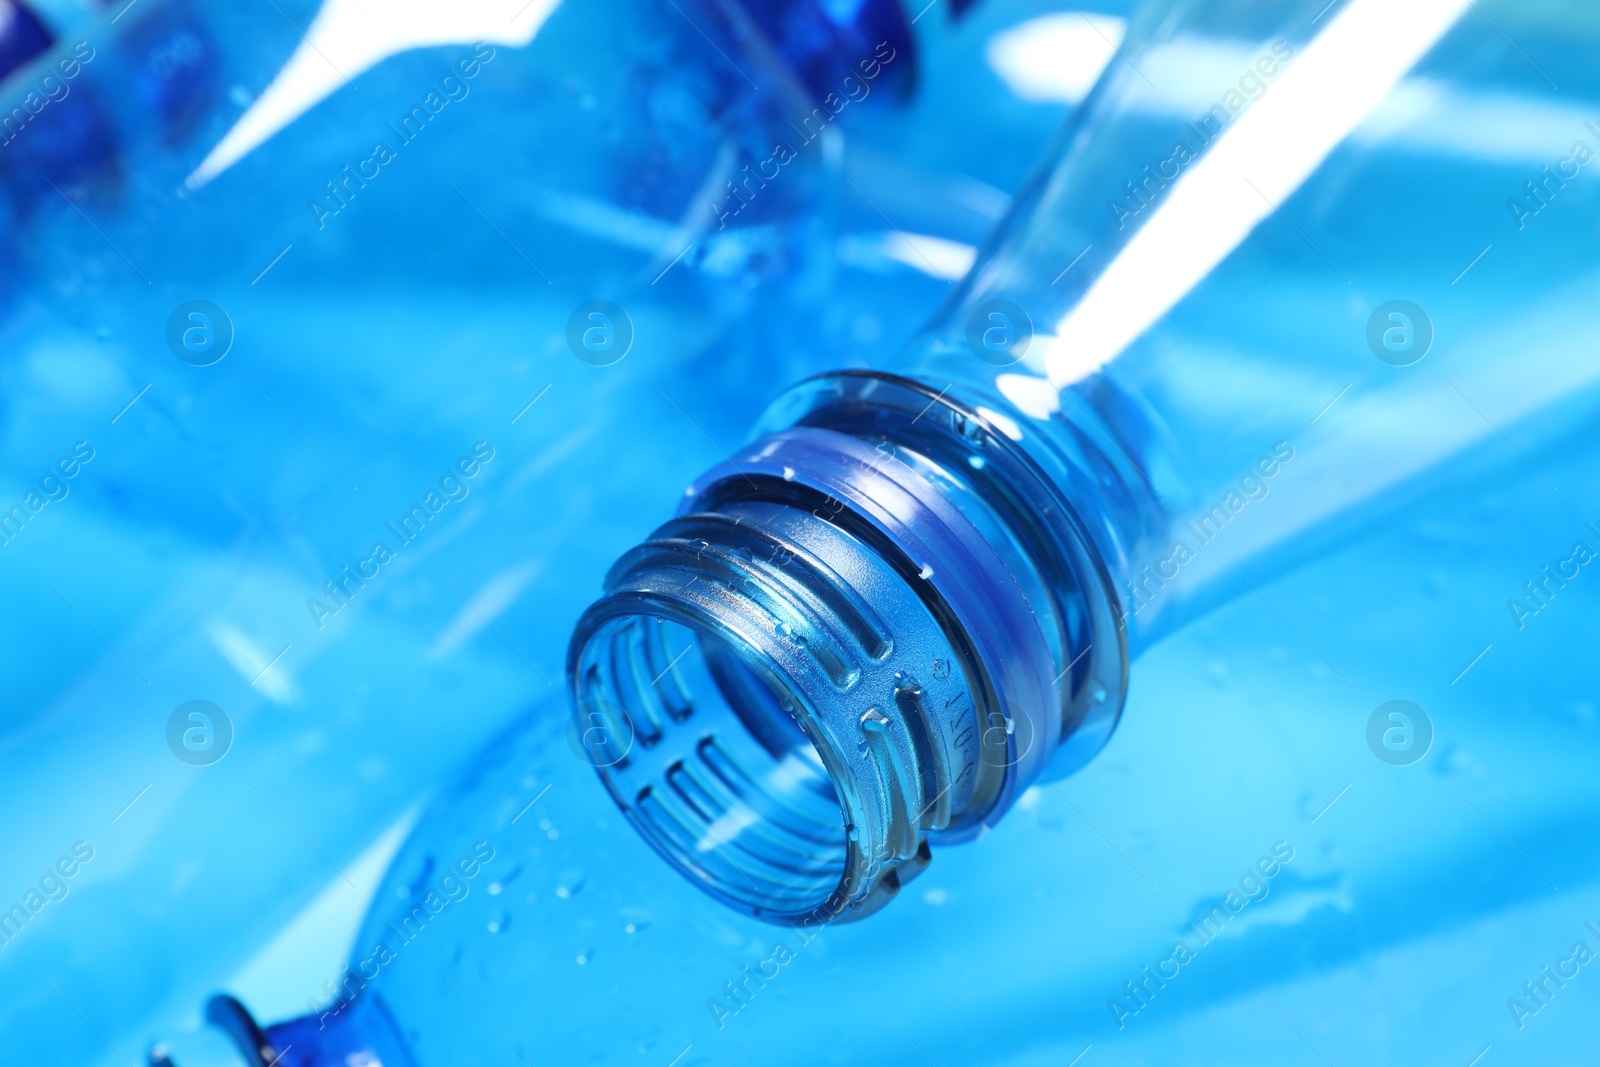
{"x":1342,"y":76}
{"x":349,"y":37}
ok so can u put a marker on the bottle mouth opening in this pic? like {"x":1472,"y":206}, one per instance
{"x":711,"y":759}
{"x":778,"y":711}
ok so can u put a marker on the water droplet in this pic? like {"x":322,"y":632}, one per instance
{"x":783,"y":629}
{"x":1098,"y":694}
{"x":402,"y":891}
{"x":495,"y":888}
{"x":498,"y":921}
{"x":926,"y":572}
{"x":788,"y":474}
{"x":630,"y":929}
{"x":873,"y":720}
{"x":853,"y":832}
{"x":583,"y":957}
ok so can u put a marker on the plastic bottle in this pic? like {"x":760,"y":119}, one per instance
{"x":578,"y":949}
{"x":167,"y":133}
{"x":1230,"y":319}
{"x":404,"y":332}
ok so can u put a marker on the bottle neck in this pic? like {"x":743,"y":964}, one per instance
{"x":1103,"y":317}
{"x":358,"y":1031}
{"x":871,"y":630}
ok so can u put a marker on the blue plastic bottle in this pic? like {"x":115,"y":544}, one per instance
{"x":1210,"y":338}
{"x":165,"y":137}
{"x":380,"y":333}
{"x":918,"y":593}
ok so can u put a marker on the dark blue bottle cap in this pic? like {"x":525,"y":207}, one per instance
{"x":827,"y":41}
{"x":22,"y":36}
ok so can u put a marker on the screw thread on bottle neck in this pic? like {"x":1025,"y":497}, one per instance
{"x":853,"y":642}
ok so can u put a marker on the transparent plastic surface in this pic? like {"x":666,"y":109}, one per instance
{"x":190,"y":518}
{"x":1276,"y":289}
{"x":1331,"y":905}
{"x":1228,"y":323}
